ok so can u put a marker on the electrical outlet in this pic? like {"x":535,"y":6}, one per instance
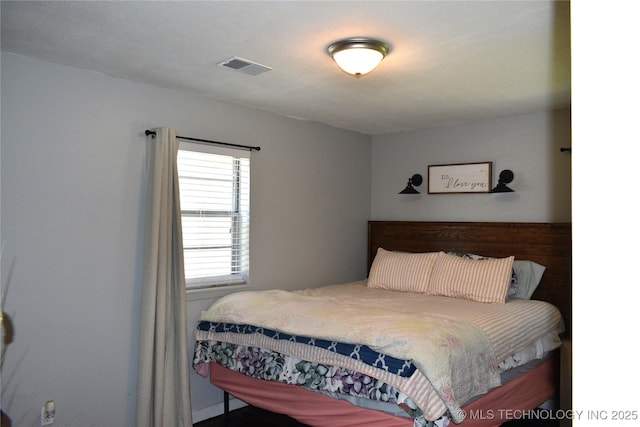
{"x":46,"y":417}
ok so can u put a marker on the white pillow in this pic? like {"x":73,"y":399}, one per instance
{"x":401,"y":271}
{"x":529,"y":274}
{"x":483,"y":280}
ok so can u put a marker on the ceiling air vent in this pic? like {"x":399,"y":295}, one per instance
{"x":244,"y":66}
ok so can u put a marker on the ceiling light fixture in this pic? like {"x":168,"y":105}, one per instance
{"x":358,"y":56}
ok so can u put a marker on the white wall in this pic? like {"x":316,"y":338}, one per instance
{"x":528,"y":144}
{"x":73,"y":156}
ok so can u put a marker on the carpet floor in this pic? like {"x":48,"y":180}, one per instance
{"x":250,"y":416}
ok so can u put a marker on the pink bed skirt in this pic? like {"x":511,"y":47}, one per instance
{"x":502,"y":404}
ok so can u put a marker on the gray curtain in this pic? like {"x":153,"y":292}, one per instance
{"x":163,"y":398}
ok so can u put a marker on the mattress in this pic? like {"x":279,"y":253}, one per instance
{"x":433,"y":353}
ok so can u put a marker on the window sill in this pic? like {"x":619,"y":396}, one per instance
{"x":215,"y":292}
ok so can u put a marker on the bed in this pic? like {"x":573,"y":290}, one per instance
{"x":474,"y":360}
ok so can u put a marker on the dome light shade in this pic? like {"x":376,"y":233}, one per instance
{"x":358,"y":56}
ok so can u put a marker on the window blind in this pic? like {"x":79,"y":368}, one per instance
{"x":214,"y":200}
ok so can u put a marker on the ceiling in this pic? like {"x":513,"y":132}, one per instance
{"x":450,"y":61}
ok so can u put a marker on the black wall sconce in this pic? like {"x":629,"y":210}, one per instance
{"x":506,"y":176}
{"x":414,"y":180}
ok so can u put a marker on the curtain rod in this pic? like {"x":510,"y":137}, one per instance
{"x":245,"y":147}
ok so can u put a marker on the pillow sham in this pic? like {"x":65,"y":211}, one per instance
{"x":513,"y":283}
{"x":483,"y":280}
{"x":525,"y":276}
{"x":401,"y":271}
{"x":528,"y":276}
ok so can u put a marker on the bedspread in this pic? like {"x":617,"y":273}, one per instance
{"x":455,"y":344}
{"x":456,"y":356}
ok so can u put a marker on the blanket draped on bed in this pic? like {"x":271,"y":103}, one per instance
{"x":457,"y":357}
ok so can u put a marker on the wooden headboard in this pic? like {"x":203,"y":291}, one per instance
{"x":548,"y":244}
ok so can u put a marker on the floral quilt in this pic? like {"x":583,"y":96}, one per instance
{"x":271,"y":365}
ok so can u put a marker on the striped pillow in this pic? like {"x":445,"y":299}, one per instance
{"x":484,"y":280}
{"x":401,"y":271}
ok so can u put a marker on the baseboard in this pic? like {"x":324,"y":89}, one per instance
{"x":215,"y":410}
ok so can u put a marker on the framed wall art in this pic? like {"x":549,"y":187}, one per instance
{"x":459,"y":178}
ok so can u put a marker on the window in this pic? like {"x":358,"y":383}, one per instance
{"x":214,"y":199}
